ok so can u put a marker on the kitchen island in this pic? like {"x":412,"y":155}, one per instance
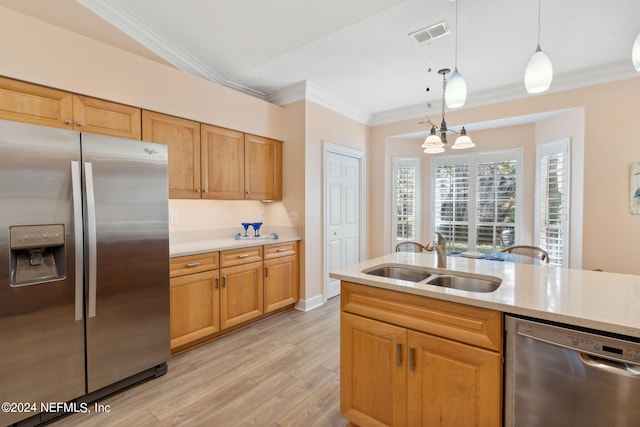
{"x":419,"y":354}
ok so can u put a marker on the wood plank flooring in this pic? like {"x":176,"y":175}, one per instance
{"x":282,"y":371}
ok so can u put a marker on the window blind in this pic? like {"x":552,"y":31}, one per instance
{"x":552,"y":195}
{"x":405,"y":215}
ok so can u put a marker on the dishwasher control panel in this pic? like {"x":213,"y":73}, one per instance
{"x":606,"y":347}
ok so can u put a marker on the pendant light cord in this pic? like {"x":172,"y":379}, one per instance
{"x":456,"y":49}
{"x":539,"y":2}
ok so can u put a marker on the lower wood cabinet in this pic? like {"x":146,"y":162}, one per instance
{"x":241,"y":297}
{"x":281,"y":276}
{"x":215,"y":292}
{"x":194,"y":298}
{"x":399,"y":366}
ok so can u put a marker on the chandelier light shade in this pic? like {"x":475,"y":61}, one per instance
{"x":456,"y":93}
{"x":635,"y":53}
{"x":463,"y":141}
{"x":539,"y":72}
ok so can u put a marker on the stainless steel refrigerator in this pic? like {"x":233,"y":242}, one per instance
{"x":84,"y":276}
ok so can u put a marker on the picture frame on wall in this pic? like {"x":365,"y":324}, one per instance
{"x":635,"y":189}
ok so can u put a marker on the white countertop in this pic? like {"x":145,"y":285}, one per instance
{"x":201,"y":241}
{"x":598,"y":300}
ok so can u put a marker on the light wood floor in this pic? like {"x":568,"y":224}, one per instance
{"x":283,"y":371}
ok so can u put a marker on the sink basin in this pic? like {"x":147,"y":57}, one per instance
{"x":400,"y":273}
{"x":472,"y":284}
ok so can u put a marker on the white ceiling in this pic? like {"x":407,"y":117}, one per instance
{"x":355,"y":56}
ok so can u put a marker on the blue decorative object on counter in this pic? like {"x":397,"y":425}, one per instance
{"x":256,"y":228}
{"x":245,"y":225}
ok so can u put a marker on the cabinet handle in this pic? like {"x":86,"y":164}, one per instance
{"x":266,"y":272}
{"x":243,"y":256}
{"x":197,"y":190}
{"x":398,"y":354}
{"x":67,"y":121}
{"x":80,"y":124}
{"x":193,"y":264}
{"x":282,"y":249}
{"x":217,"y":282}
{"x":412,"y":359}
{"x":224,"y":281}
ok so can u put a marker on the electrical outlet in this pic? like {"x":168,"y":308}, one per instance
{"x":260,"y":216}
{"x":293,"y":215}
{"x":174,"y":219}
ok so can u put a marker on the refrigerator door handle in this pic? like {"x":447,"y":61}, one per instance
{"x":91,"y":238}
{"x":77,"y":234}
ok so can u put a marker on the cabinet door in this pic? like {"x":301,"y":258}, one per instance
{"x":373,"y":382}
{"x":452,"y":384}
{"x":195,"y":310}
{"x":222,"y":163}
{"x":106,"y":118}
{"x":241,"y":294}
{"x":263,"y":168}
{"x":281,"y":282}
{"x":183,"y":140}
{"x":28,"y":103}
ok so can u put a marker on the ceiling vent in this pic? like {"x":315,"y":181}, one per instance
{"x":432,"y":32}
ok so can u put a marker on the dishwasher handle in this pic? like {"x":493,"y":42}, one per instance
{"x":614,"y":366}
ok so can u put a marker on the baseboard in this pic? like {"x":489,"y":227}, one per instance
{"x":309,"y":304}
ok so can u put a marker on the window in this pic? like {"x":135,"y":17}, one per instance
{"x":476,"y":200}
{"x":552,"y":200}
{"x":405,"y":200}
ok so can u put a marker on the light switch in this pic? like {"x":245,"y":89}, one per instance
{"x":174,"y":219}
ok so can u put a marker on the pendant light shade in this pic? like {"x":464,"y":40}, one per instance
{"x":456,"y":91}
{"x":539,"y":72}
{"x":635,"y":53}
{"x":463,"y":141}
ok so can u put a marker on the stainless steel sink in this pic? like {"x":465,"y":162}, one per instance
{"x":472,"y":284}
{"x":400,"y":273}
{"x":463,"y":281}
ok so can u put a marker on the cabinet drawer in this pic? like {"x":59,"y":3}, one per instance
{"x":240,"y":256}
{"x":280,"y":249}
{"x":179,"y":266}
{"x":472,"y":325}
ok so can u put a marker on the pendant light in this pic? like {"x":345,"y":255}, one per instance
{"x":539,"y":72}
{"x":635,"y":53}
{"x":456,"y":93}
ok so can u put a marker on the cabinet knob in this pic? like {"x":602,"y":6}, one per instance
{"x":80,"y":124}
{"x":67,"y":121}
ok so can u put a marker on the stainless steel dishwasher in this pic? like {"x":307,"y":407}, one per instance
{"x":558,"y":376}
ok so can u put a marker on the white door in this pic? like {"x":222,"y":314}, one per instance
{"x":343,"y":215}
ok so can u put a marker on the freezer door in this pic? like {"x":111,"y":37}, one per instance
{"x":41,"y":319}
{"x":127,"y":260}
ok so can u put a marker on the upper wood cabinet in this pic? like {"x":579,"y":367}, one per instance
{"x":107,"y":118}
{"x":29,"y":103}
{"x":263,"y":168}
{"x":183,"y":140}
{"x":222,"y":163}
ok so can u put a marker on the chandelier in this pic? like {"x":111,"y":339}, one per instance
{"x":437,"y":139}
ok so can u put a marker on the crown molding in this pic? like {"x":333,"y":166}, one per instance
{"x":305,"y":90}
{"x":117,"y":15}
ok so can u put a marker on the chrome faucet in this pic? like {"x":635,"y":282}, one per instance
{"x":440,"y":246}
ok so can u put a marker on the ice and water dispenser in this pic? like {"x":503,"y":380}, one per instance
{"x":37,"y":254}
